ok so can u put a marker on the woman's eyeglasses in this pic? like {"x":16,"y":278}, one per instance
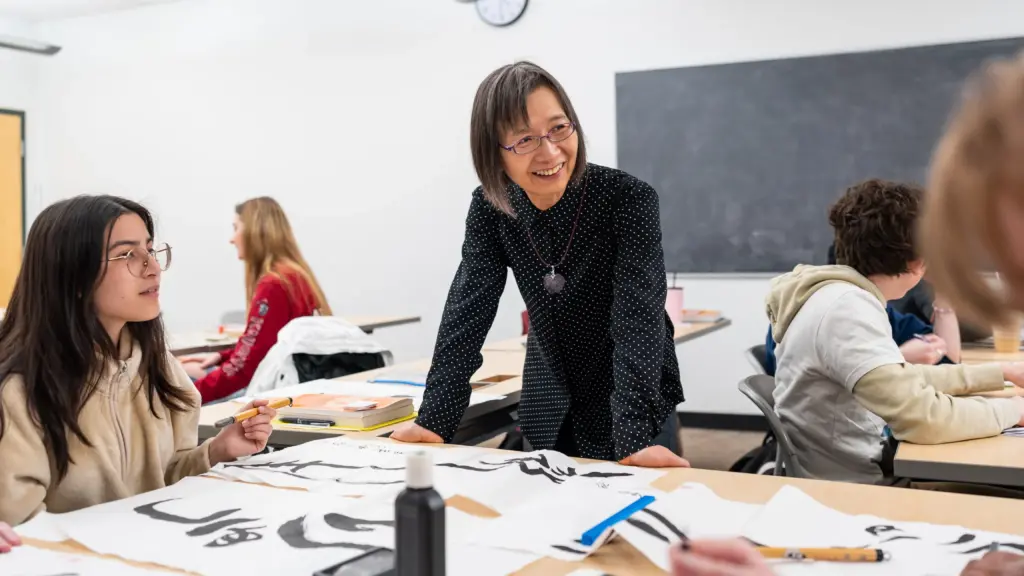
{"x":138,"y":260}
{"x":528,"y":144}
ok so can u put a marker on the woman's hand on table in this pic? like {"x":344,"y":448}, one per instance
{"x":413,"y":433}
{"x":655,"y":457}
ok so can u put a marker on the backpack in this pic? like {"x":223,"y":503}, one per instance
{"x":760,"y":460}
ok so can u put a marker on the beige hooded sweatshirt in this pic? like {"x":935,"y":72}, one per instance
{"x":841,"y":380}
{"x":132,"y":451}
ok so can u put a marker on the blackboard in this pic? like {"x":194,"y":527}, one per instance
{"x":748,"y":157}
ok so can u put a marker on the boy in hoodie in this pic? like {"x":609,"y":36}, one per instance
{"x":841,"y":383}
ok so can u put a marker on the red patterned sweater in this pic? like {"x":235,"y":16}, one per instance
{"x":274,"y":304}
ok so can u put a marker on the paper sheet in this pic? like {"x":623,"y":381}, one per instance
{"x":215,"y":528}
{"x":30,"y":561}
{"x":467,"y":559}
{"x":694,"y":510}
{"x":356,"y":388}
{"x":792,"y":518}
{"x":350,"y":467}
{"x":339,"y":466}
{"x":42,"y":527}
{"x":552,"y":523}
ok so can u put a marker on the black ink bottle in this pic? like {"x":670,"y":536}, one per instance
{"x":419,"y":521}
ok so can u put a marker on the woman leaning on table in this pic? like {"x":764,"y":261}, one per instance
{"x":601,"y":378}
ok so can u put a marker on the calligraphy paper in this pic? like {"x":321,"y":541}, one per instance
{"x":692,"y":511}
{"x":213,"y":527}
{"x":501,"y":481}
{"x":794,"y":519}
{"x":42,"y":526}
{"x":30,"y":561}
{"x":552,"y":523}
{"x":339,"y":466}
{"x":467,"y":559}
{"x":350,"y":467}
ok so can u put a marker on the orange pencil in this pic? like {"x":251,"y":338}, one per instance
{"x":246,"y":414}
{"x":826,"y":554}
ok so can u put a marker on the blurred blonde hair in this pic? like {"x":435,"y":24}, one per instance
{"x":977,"y":172}
{"x":269,"y":245}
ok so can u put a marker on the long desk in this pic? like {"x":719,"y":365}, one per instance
{"x":621,"y":559}
{"x":998,"y":460}
{"x":200,"y":342}
{"x":683,"y":333}
{"x":503,"y":366}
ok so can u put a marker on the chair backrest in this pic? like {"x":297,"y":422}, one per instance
{"x":526,"y":322}
{"x":232,"y":317}
{"x":760,"y":388}
{"x":758,"y":357}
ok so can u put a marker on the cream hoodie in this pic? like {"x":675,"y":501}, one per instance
{"x":132,"y":451}
{"x":841,"y":379}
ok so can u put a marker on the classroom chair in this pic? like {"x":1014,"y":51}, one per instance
{"x":526,"y":322}
{"x":233,"y":318}
{"x":759,"y":389}
{"x":758,"y":358}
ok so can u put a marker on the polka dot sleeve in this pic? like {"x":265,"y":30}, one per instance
{"x":468,"y":314}
{"x":638,"y":319}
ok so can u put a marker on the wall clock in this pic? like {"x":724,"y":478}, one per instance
{"x":500,"y":12}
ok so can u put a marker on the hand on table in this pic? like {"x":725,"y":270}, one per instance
{"x":246,"y":437}
{"x":413,"y":433}
{"x":8,"y":539}
{"x":1014,"y":372}
{"x":996,"y":564}
{"x":717,"y":558}
{"x":196,"y":365}
{"x":927,"y":351}
{"x":655,"y":457}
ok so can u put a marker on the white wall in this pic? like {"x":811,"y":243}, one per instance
{"x":18,"y":73}
{"x":355,"y":115}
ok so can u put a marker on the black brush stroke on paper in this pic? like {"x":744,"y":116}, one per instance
{"x":987,"y":547}
{"x":207,"y":525}
{"x":555,"y":475}
{"x":881,"y":529}
{"x":675,"y":530}
{"x":645,"y":527}
{"x":293,"y":533}
{"x":237,"y":536}
{"x":151,"y":511}
{"x":963,"y":540}
{"x":350,"y":524}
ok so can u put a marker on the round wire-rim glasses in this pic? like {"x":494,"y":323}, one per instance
{"x":138,"y":261}
{"x":528,"y":144}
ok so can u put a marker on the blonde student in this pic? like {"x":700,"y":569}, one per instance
{"x":93,"y":406}
{"x":279,"y":286}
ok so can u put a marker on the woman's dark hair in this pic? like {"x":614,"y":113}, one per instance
{"x":500,"y":104}
{"x":875,"y":222}
{"x":51,"y":335}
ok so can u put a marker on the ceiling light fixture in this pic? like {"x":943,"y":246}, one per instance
{"x":26,"y":45}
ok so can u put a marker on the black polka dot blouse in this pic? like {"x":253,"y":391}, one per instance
{"x":601,"y":351}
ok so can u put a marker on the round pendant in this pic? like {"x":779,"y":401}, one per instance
{"x":554,"y":283}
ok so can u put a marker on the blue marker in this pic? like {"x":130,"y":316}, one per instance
{"x":590,"y":536}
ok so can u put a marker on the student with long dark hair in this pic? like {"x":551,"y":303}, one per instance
{"x":93,"y":407}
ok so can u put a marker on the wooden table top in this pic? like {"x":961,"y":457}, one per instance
{"x":901,"y":504}
{"x":503,"y":368}
{"x":196,"y":342}
{"x":684,"y":333}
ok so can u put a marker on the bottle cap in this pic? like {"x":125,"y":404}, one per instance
{"x":419,"y":470}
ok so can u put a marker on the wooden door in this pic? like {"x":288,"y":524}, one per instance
{"x":12,"y":199}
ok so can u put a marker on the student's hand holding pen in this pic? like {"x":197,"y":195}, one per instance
{"x":927,"y":349}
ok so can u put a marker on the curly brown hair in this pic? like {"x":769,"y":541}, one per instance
{"x":875,"y":223}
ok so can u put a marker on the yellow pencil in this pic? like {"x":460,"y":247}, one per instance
{"x":246,"y":414}
{"x":826,"y":554}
